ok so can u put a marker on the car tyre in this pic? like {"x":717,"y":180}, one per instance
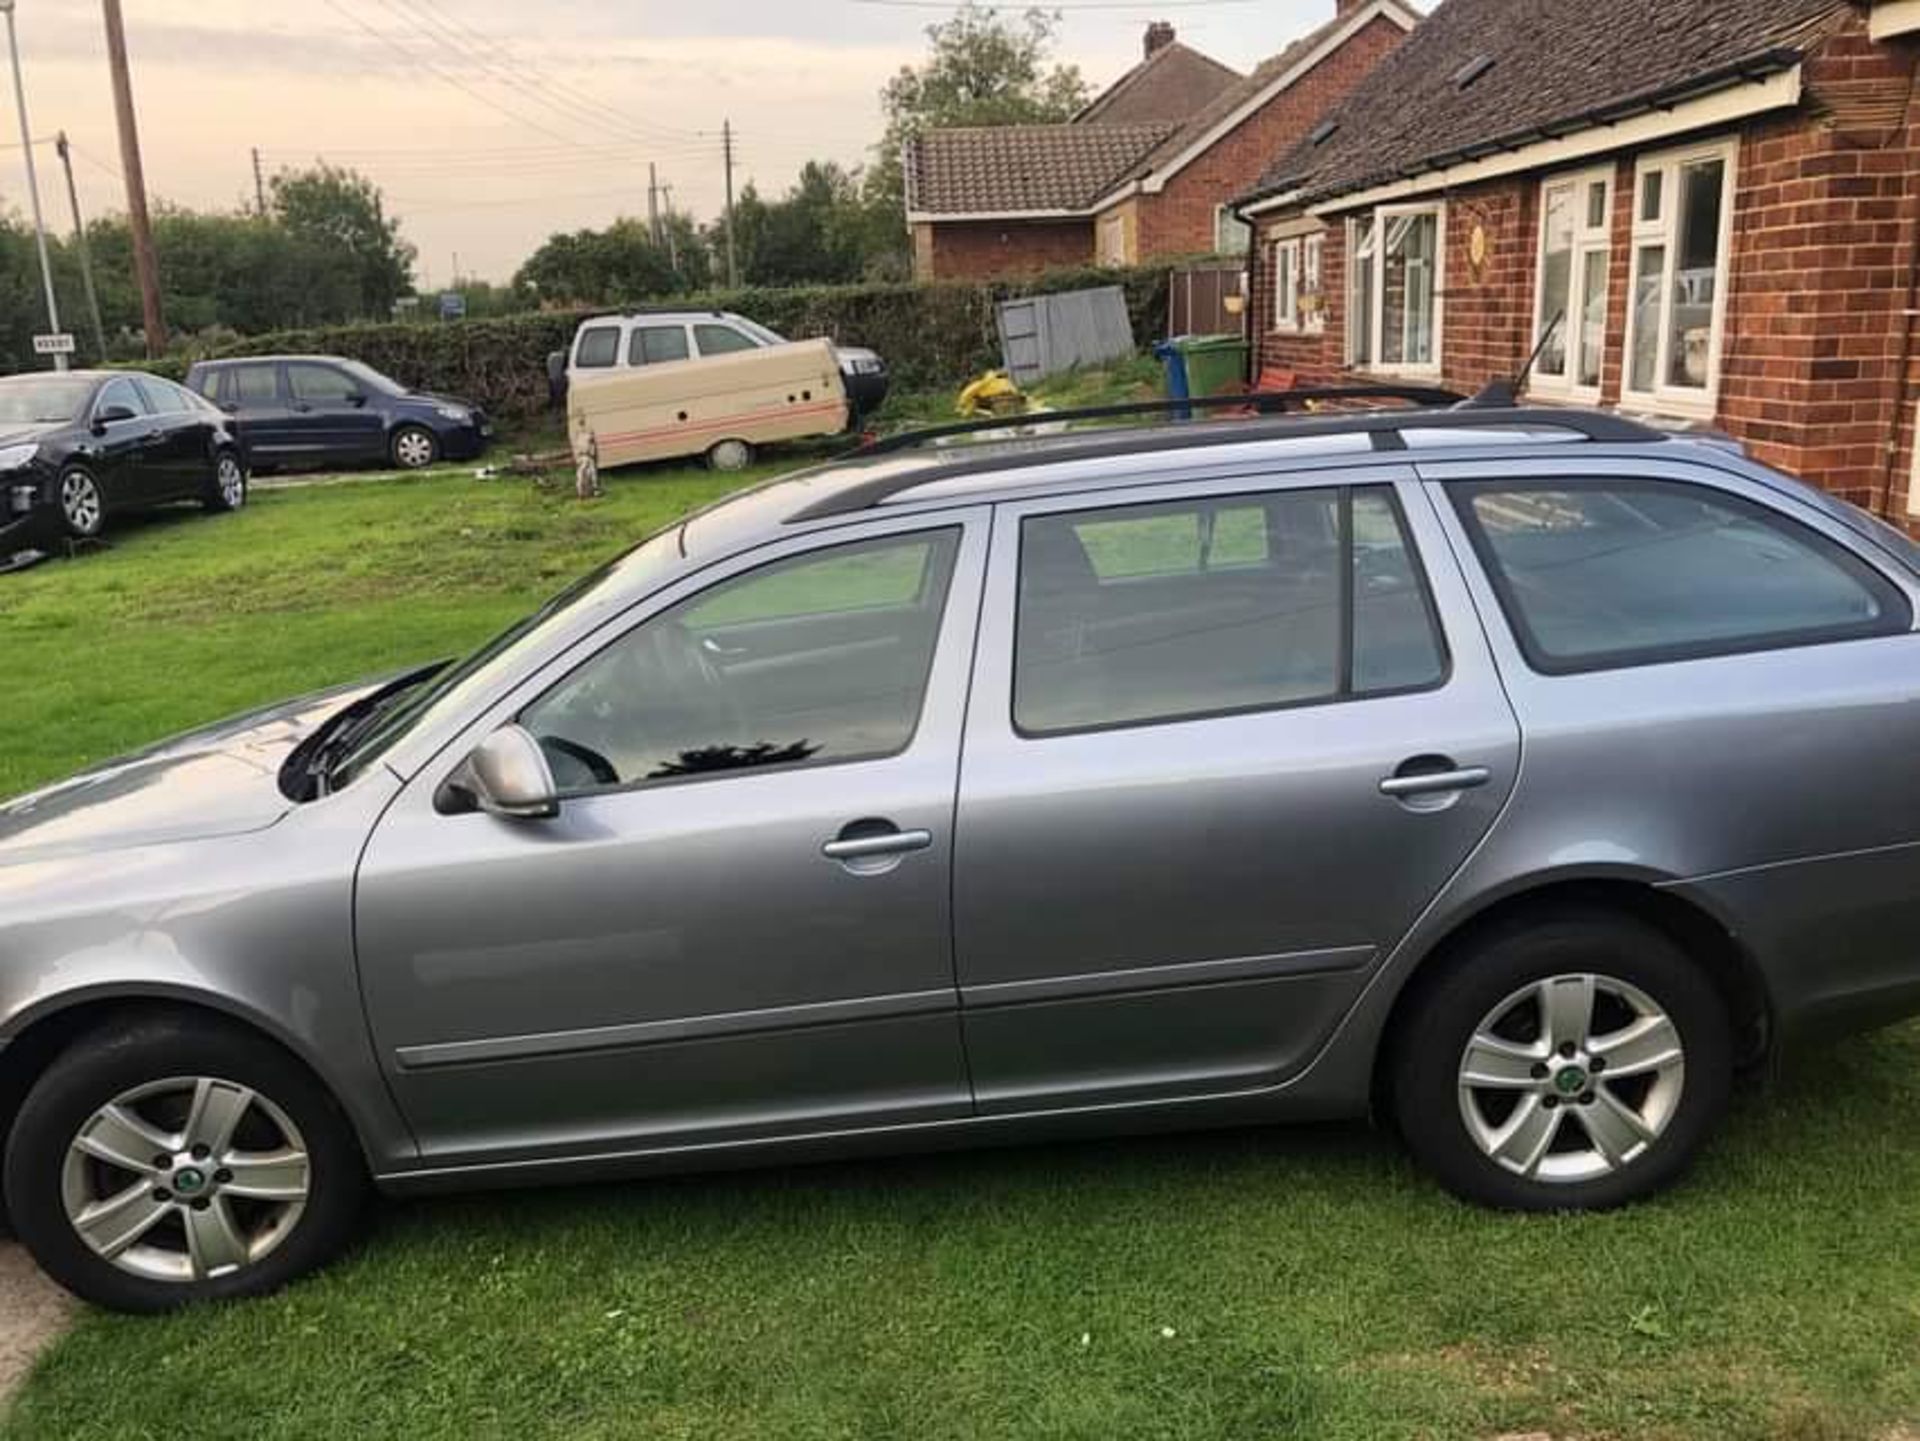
{"x":83,"y":509}
{"x":274,"y":1187}
{"x":730,"y":455}
{"x":227,"y":487}
{"x":414,"y":447}
{"x":1512,"y":1100}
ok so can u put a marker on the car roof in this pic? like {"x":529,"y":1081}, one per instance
{"x":615,"y":318}
{"x":232,"y":360}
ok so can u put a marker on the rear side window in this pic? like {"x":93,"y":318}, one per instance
{"x":253,"y":385}
{"x":599,"y":347}
{"x":206,"y":382}
{"x":721,"y":340}
{"x":161,"y":396}
{"x":1618,"y":573}
{"x":657,"y":344}
{"x":1218,"y":606}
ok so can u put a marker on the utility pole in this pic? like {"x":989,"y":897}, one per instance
{"x":145,"y":266}
{"x":259,"y":184}
{"x":733,"y":254}
{"x":65,"y":151}
{"x":653,"y":203}
{"x":33,"y":181}
{"x":673,"y":240}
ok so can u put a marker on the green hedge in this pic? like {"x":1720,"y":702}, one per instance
{"x":931,"y":335}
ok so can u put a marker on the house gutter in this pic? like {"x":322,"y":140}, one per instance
{"x":1903,"y":374}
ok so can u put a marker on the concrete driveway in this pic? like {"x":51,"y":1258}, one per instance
{"x":32,"y":1312}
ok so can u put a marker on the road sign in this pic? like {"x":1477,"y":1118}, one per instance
{"x":453,"y":305}
{"x":53,"y":345}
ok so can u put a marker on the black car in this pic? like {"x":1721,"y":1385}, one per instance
{"x":75,"y":448}
{"x":324,"y":410}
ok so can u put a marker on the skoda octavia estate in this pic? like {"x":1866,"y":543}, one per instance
{"x":1521,"y":776}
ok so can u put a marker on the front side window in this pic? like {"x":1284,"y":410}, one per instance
{"x":1394,"y":289}
{"x":599,"y":348}
{"x":254,"y":385}
{"x":819,"y":659}
{"x":1570,"y":313}
{"x":1232,"y":604}
{"x":657,"y":345}
{"x":722,"y":340}
{"x":1681,"y":237}
{"x":319,"y":385}
{"x":162,"y":396}
{"x":121,"y":393}
{"x":1598,"y":574}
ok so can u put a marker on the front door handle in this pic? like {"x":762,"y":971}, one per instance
{"x":1435,"y":783}
{"x":887,"y":843}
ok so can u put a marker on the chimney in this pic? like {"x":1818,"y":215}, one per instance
{"x":1160,"y":36}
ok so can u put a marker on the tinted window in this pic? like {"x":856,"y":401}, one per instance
{"x":319,"y":385}
{"x":161,"y":396}
{"x":657,"y":344}
{"x":817,"y":659}
{"x":599,"y":347}
{"x":253,"y":385}
{"x":1239,"y":603}
{"x":721,"y":340}
{"x":121,"y":392}
{"x":1636,"y":572}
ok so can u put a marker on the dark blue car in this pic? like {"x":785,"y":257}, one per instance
{"x":323,"y":410}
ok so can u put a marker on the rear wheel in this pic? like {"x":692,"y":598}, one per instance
{"x":227,"y":490}
{"x":173,"y":1161}
{"x":81,"y":505}
{"x":415,"y":447}
{"x":1575,"y":1063}
{"x":730,"y":455}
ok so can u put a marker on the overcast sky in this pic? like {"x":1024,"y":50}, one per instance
{"x":492,"y":123}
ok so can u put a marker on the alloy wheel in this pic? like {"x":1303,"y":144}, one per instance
{"x":1571,"y":1078}
{"x":187,"y":1179}
{"x":80,"y":502}
{"x":232,"y":481}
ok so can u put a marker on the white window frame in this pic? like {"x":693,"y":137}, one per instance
{"x":1378,"y":223}
{"x":1665,"y":231}
{"x":1588,"y":240}
{"x":1313,"y":281}
{"x":1299,"y":270}
{"x":1286,"y":284}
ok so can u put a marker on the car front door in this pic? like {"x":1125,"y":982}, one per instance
{"x":329,"y":418}
{"x":123,"y":448}
{"x":252,"y":393}
{"x":1221,"y":751}
{"x":738,"y":926}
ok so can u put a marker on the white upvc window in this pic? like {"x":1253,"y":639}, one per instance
{"x":1395,"y":271}
{"x":1677,"y":310}
{"x":1231,"y":234}
{"x":1570,"y":298}
{"x":1299,"y":302}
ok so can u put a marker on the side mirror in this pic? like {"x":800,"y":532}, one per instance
{"x":109,"y":416}
{"x":508,"y":776}
{"x":356,"y":397}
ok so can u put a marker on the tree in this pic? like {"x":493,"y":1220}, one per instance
{"x":343,"y":210}
{"x":615,"y":266}
{"x":982,"y":70}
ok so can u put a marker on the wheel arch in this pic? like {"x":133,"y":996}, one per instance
{"x":1705,"y":937}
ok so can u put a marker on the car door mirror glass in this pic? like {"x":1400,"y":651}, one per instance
{"x":508,"y":776}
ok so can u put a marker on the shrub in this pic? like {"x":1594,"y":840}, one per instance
{"x":931,"y":335}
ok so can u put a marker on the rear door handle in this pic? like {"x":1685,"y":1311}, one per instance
{"x":1434,"y":783}
{"x":893,"y":843}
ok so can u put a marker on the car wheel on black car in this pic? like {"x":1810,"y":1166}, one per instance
{"x":414,"y":447}
{"x":178,"y":1159}
{"x":82,"y":506}
{"x":227,"y":490}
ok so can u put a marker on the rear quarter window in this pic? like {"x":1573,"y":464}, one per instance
{"x":599,"y":347}
{"x":1601,"y":575}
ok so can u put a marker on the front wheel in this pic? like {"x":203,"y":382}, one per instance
{"x":415,"y":447}
{"x":178,"y":1160}
{"x":82,"y":506}
{"x":1575,"y":1063}
{"x":227,"y":490}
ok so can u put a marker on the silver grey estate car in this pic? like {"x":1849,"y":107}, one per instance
{"x":1521,"y":776}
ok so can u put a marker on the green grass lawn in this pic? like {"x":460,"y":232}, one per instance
{"x":1285,"y":1283}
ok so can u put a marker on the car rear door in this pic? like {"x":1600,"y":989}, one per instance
{"x":180,"y":453}
{"x":739,"y":924}
{"x":329,"y":416}
{"x":1224,"y":745}
{"x":253,"y":393}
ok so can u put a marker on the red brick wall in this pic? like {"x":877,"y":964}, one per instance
{"x":1179,"y":220}
{"x":987,"y":250}
{"x":1826,"y":214}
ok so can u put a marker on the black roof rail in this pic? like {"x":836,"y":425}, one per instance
{"x":634,"y":311}
{"x":1384,"y":427}
{"x":1265,"y":402}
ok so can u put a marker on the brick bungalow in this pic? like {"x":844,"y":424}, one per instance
{"x":1145,"y":171}
{"x":1699,"y":209}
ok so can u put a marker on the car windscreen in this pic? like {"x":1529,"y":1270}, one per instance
{"x":40,"y":400}
{"x":759,"y":332}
